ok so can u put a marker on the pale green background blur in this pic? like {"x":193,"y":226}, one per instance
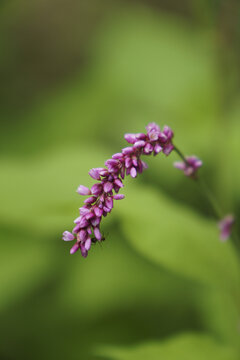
{"x":75,"y":76}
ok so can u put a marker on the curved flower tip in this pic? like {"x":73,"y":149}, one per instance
{"x":101,"y":196}
{"x":189,"y":167}
{"x":225,"y":226}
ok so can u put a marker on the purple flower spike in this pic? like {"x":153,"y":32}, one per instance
{"x":67,"y":236}
{"x":225,"y":226}
{"x":189,"y":167}
{"x":103,"y":193}
{"x":83,"y":190}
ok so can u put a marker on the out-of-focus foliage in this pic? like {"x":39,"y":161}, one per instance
{"x":76,"y":77}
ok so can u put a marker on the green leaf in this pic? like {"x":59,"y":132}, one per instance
{"x":182,"y":347}
{"x":179,"y":239}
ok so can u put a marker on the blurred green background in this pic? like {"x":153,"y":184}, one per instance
{"x":75,"y":76}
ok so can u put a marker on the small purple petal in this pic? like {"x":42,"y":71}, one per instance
{"x":97,"y":233}
{"x":118,"y":197}
{"x":153,"y":135}
{"x":157,"y":149}
{"x":83,"y":222}
{"x":67,"y":236}
{"x":82,"y":235}
{"x":128,"y":162}
{"x":127,"y":150}
{"x":130,"y":138}
{"x":77,"y":220}
{"x":148,"y":149}
{"x":83,"y":190}
{"x":74,"y":248}
{"x":84,"y":252}
{"x":139,"y":144}
{"x":90,"y":200}
{"x":94,"y":173}
{"x":108,"y":186}
{"x":97,"y":189}
{"x":168,"y":149}
{"x":152,"y":126}
{"x":98,"y":212}
{"x":88,"y":243}
{"x":133,"y":172}
{"x":118,"y":183}
{"x":96,"y":221}
{"x":109,"y":202}
{"x":117,"y":156}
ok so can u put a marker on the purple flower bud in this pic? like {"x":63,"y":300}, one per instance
{"x":90,"y":200}
{"x":74,"y":248}
{"x":189,"y":167}
{"x":117,"y":156}
{"x":84,"y":210}
{"x":134,"y":161}
{"x":168,"y":148}
{"x":225,"y":226}
{"x":94,"y":173}
{"x":168,"y":132}
{"x":118,"y":183}
{"x":97,"y":233}
{"x":67,"y":236}
{"x":95,"y":221}
{"x":157,"y":149}
{"x":122,"y":172}
{"x":83,"y":190}
{"x":152,"y":126}
{"x":89,"y":230}
{"x":98,"y":211}
{"x":109,"y":202}
{"x":131,"y":138}
{"x":90,"y":215}
{"x":128,"y":162}
{"x":82,"y":235}
{"x":107,"y":187}
{"x":133,"y":172}
{"x":88,"y":243}
{"x":77,"y":220}
{"x":141,"y":136}
{"x":106,"y":209}
{"x":148,"y":149}
{"x":84,"y":252}
{"x":76,"y":228}
{"x":83,"y":222}
{"x":153,"y":135}
{"x":97,"y":189}
{"x":139,"y":144}
{"x":127,"y":150}
{"x":118,"y":197}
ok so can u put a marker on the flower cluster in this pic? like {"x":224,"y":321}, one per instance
{"x":189,"y":166}
{"x":105,"y":191}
